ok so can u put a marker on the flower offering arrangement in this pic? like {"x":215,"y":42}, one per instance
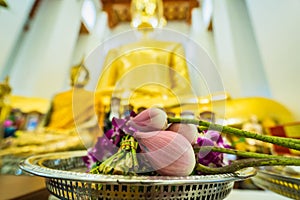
{"x":151,"y":156}
{"x":152,"y":143}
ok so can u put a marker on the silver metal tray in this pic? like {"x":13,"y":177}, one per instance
{"x":66,"y":178}
{"x":270,"y":179}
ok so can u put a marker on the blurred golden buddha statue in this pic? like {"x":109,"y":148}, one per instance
{"x":148,"y":65}
{"x":147,"y":68}
{"x":74,"y":107}
{"x":5,"y":91}
{"x":149,"y":72}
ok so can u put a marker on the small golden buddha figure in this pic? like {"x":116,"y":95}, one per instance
{"x":5,"y":91}
{"x":74,"y":107}
{"x":5,"y":106}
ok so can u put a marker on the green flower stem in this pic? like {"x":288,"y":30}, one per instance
{"x":134,"y":145}
{"x":202,"y":128}
{"x":245,"y":154}
{"x":281,"y":141}
{"x":251,"y":162}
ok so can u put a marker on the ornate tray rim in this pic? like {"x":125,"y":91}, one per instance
{"x":268,"y":171}
{"x":278,"y":183}
{"x":33,"y":165}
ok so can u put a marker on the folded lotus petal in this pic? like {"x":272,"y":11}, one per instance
{"x":151,"y":119}
{"x":189,"y":131}
{"x":169,"y":153}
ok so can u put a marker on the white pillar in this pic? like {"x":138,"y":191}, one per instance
{"x":88,"y":42}
{"x":224,"y":47}
{"x":205,"y":40}
{"x":12,"y":21}
{"x":276,"y":27}
{"x":42,"y":65}
{"x":239,"y":59}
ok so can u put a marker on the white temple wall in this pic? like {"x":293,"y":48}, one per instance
{"x":12,"y":21}
{"x":276,"y":24}
{"x":41,"y":66}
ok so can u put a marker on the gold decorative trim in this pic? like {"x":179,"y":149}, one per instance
{"x":119,"y":10}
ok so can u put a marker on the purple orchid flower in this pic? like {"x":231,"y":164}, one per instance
{"x":207,"y":157}
{"x":109,"y":143}
{"x":103,"y":149}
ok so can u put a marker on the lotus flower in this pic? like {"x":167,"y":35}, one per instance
{"x":151,"y":119}
{"x":189,"y":131}
{"x":168,"y":152}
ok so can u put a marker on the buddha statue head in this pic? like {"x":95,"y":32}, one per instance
{"x":79,"y":75}
{"x":147,"y":14}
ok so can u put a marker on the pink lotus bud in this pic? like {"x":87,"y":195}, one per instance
{"x":189,"y":131}
{"x":151,"y":119}
{"x":169,"y":153}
